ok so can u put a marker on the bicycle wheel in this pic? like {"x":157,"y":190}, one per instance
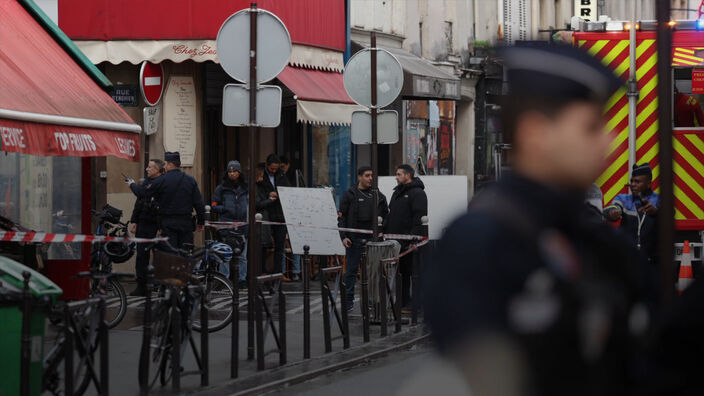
{"x":159,"y":344}
{"x":218,"y":300}
{"x":115,"y":299}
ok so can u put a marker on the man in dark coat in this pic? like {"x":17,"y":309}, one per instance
{"x":273,"y":179}
{"x":356,"y":209}
{"x":143,"y":224}
{"x":231,"y":202}
{"x":177,"y":195}
{"x":527,"y":294}
{"x":407,"y":207}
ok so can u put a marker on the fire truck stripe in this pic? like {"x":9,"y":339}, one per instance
{"x":643,"y":46}
{"x":684,"y":148}
{"x":615,"y":51}
{"x":620,"y":138}
{"x":616,"y":189}
{"x":692,"y":184}
{"x":613,"y":167}
{"x":697,"y":142}
{"x":615,"y":103}
{"x":648,"y":87}
{"x":596,"y":47}
{"x":691,"y":192}
{"x":605,"y":50}
{"x":646,"y":112}
{"x":647,"y":135}
{"x":623,"y":67}
{"x":689,"y":206}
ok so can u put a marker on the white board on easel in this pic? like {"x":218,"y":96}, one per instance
{"x":311,"y":207}
{"x":447,"y":199}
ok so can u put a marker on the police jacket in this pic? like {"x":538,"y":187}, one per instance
{"x":407,"y":205}
{"x":231,"y":200}
{"x":263,"y":204}
{"x":143,"y":212}
{"x":356,"y":210}
{"x":642,"y":228}
{"x":274,"y":208}
{"x":526,"y":264}
{"x":177,"y":195}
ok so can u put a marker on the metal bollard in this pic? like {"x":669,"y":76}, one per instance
{"x":253,"y":267}
{"x":235,"y":324}
{"x":26,"y":336}
{"x":282,"y":325}
{"x":383,"y":299}
{"x":176,"y":342}
{"x":104,"y":352}
{"x":204,"y":369}
{"x":260,"y":330}
{"x":146,"y":336}
{"x":306,"y":302}
{"x":345,"y":319}
{"x":68,"y":353}
{"x":415,"y":288}
{"x":365,"y":292}
{"x":326,"y":311}
{"x":397,"y":301}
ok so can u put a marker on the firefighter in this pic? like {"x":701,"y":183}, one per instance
{"x":526,"y":295}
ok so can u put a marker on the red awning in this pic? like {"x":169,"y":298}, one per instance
{"x":321,"y":96}
{"x":48,"y":104}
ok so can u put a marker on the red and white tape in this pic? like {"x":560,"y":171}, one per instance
{"x":226,"y":224}
{"x":410,"y":250}
{"x":43,"y":237}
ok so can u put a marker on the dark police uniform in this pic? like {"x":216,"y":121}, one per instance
{"x":528,"y":263}
{"x":177,"y":195}
{"x":145,"y":217}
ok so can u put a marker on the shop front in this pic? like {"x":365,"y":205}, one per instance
{"x":54,"y":116}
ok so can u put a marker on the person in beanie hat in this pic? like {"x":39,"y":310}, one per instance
{"x":638,"y":211}
{"x":231,"y":203}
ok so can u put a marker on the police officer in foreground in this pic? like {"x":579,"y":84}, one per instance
{"x":143,"y":224}
{"x":177,"y":195}
{"x":527,"y":295}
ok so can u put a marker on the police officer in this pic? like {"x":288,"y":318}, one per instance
{"x":526,"y":295}
{"x":143,"y":224}
{"x":177,"y":195}
{"x":356,"y":208}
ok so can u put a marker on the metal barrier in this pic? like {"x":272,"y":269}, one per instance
{"x":280,"y":335}
{"x":389,"y":293}
{"x":306,"y":302}
{"x":330,"y":296}
{"x":375,"y":252}
{"x":235,"y":323}
{"x":365,"y":292}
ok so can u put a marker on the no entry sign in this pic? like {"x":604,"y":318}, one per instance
{"x":151,"y":82}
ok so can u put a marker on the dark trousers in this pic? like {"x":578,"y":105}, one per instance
{"x":144,"y":230}
{"x":354,"y":256}
{"x":279,"y":234}
{"x":179,"y":231}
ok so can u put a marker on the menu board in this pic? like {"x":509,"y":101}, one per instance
{"x":180,"y":124}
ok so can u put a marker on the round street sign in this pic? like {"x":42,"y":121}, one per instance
{"x":358,"y":76}
{"x":273,"y":45}
{"x":151,"y":82}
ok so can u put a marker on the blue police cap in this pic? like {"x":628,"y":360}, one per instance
{"x":172,"y":156}
{"x":642,"y":170}
{"x":557,"y":73}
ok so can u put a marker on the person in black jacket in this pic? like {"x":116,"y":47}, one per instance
{"x":407,"y":206}
{"x":177,"y":195}
{"x":231,"y":202}
{"x":273,"y":179}
{"x":143,"y":224}
{"x":356,"y":211}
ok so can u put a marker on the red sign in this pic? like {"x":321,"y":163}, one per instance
{"x":151,"y":82}
{"x":48,"y":140}
{"x":698,"y":81}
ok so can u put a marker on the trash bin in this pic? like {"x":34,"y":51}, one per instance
{"x":11,"y":326}
{"x":376,"y":251}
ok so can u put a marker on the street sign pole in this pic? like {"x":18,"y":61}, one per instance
{"x":253,"y":248}
{"x":375,"y":154}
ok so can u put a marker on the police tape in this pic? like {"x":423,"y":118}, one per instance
{"x":410,"y":250}
{"x":43,"y":237}
{"x":236,"y":224}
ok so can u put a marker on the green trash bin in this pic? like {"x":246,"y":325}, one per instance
{"x":11,"y":327}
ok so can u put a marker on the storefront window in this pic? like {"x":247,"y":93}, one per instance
{"x":332,"y":158}
{"x":430,"y":136}
{"x":43,"y":194}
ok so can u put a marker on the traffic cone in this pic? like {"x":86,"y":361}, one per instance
{"x":686,"y":275}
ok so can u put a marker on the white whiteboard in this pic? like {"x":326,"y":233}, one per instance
{"x":311,"y":206}
{"x":447,"y":199}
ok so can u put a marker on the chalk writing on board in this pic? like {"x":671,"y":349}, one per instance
{"x":311,"y":206}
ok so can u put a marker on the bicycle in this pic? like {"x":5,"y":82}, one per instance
{"x":79,"y":337}
{"x":101,"y":263}
{"x":218,"y":290}
{"x":179,"y":294}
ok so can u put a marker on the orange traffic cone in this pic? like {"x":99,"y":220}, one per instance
{"x":686,"y":275}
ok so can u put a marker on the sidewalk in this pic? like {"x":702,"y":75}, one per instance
{"x":125,"y":344}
